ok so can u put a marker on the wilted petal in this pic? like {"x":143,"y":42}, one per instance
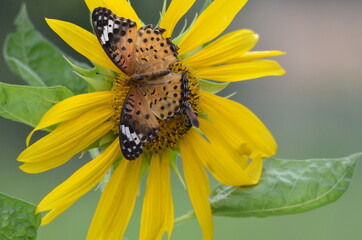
{"x":239,"y":123}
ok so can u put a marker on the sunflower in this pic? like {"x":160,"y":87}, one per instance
{"x":230,"y":141}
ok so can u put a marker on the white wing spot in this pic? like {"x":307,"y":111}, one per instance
{"x":105,"y":34}
{"x":128,"y":134}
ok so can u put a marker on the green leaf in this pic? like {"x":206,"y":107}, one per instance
{"x":36,"y":60}
{"x":212,"y":87}
{"x":173,"y":156}
{"x":287,"y":187}
{"x":17,"y":219}
{"x":98,"y":78}
{"x":28,"y":104}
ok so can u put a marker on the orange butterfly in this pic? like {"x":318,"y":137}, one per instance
{"x":156,"y":93}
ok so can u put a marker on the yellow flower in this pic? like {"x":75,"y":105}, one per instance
{"x":231,"y":146}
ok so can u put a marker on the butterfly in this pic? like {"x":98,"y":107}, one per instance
{"x":156,"y":94}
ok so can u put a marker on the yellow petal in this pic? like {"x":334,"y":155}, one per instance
{"x":198,"y":187}
{"x":240,"y":71}
{"x":227,"y":47}
{"x":240,"y":125}
{"x":248,"y":56}
{"x":65,"y":141}
{"x":79,"y":183}
{"x":83,"y":42}
{"x":51,"y":215}
{"x":255,"y":168}
{"x":220,"y":158}
{"x":211,"y":23}
{"x":117,"y":202}
{"x":169,"y":209}
{"x":157,"y":210}
{"x":122,"y":8}
{"x":71,"y":108}
{"x":174,"y":13}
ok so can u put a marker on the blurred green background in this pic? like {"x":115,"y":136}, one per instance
{"x":314,"y":111}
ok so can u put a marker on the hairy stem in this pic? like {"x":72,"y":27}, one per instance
{"x":184,"y":218}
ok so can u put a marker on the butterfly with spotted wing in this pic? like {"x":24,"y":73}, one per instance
{"x":156,"y":94}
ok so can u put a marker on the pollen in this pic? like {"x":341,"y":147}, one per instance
{"x":121,"y":90}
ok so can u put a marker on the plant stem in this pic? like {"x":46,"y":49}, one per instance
{"x":94,"y":152}
{"x":184,"y":218}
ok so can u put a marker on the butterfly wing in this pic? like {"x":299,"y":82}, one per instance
{"x":153,"y":52}
{"x":167,"y":96}
{"x":138,"y":124}
{"x":133,"y":51}
{"x":117,"y":36}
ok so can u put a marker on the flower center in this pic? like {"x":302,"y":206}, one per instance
{"x":171,"y":131}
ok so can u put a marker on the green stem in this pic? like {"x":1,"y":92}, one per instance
{"x":184,"y":218}
{"x":94,"y":152}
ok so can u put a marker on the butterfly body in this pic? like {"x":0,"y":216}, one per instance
{"x":156,"y":94}
{"x":148,"y":76}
